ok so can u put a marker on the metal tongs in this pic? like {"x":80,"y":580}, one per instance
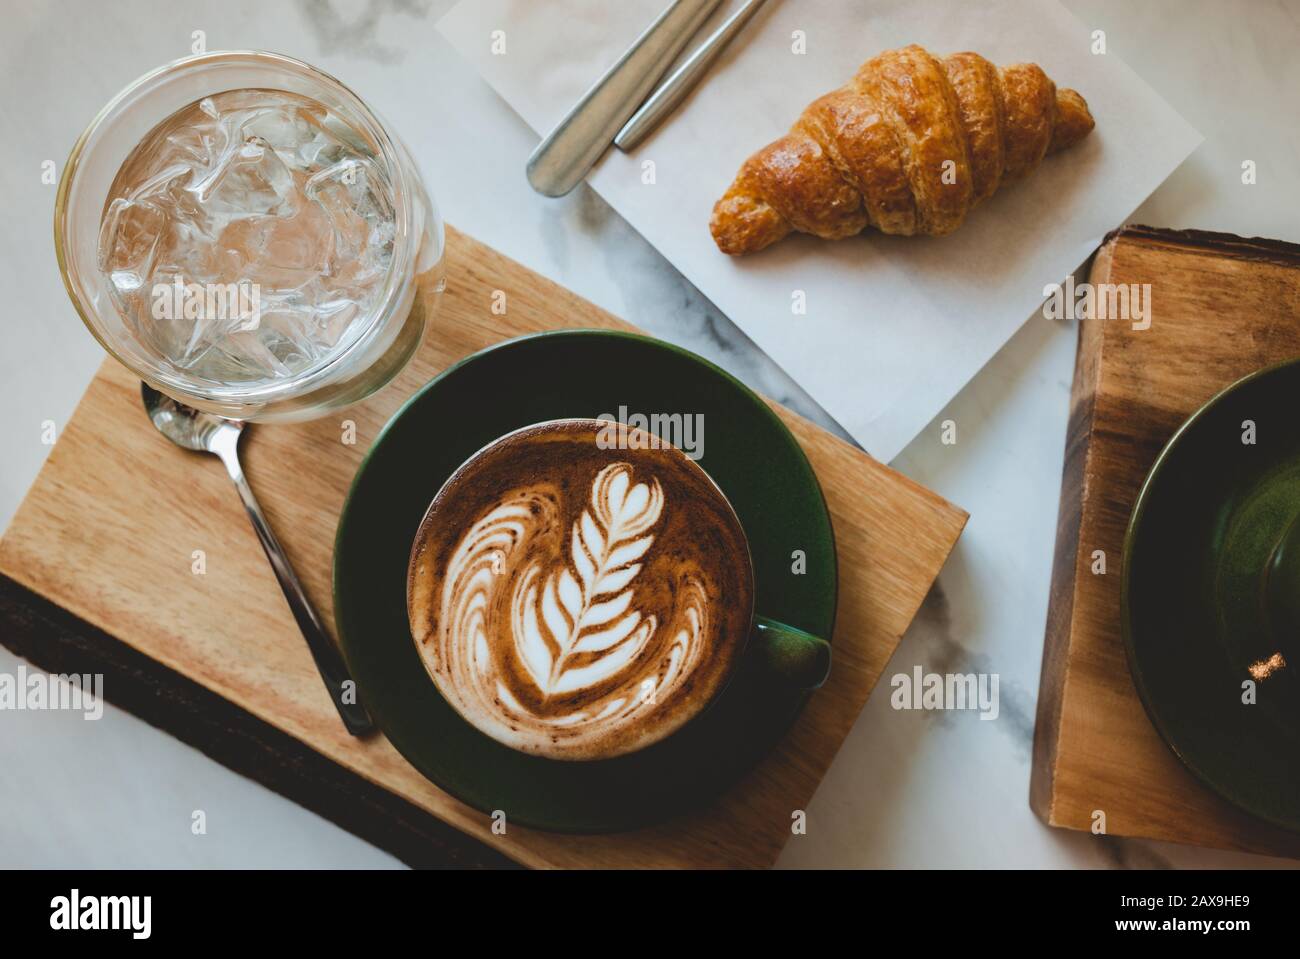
{"x":617,"y":109}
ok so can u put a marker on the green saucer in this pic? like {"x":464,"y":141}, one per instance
{"x":1211,"y":594}
{"x":577,"y":373}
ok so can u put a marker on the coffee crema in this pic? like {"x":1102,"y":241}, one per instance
{"x":579,"y":602}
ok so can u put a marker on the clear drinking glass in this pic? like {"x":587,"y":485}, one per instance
{"x":377,"y":344}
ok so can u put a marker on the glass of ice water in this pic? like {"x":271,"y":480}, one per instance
{"x":246,"y":235}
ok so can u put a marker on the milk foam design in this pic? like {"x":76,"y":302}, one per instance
{"x":556,"y":621}
{"x":585,"y":660}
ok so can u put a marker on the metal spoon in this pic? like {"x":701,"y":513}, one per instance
{"x":208,"y":433}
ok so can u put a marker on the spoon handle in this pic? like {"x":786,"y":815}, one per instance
{"x":328,"y":660}
{"x":571,"y":149}
{"x":682,"y":80}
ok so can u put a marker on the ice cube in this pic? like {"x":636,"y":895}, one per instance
{"x":163,"y":324}
{"x":164,"y":181}
{"x":254,"y":187}
{"x":189,"y":146}
{"x":281,"y":252}
{"x":295,"y":132}
{"x":280,"y":346}
{"x":286,"y":130}
{"x":332,"y":319}
{"x":240,"y":357}
{"x":247,"y":180}
{"x":357,"y":180}
{"x":128,"y":243}
{"x":355,"y":196}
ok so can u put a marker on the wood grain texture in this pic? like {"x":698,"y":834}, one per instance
{"x":109,"y":528}
{"x":1221,"y":307}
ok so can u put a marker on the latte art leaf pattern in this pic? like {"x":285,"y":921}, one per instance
{"x":578,"y":626}
{"x":574,"y":604}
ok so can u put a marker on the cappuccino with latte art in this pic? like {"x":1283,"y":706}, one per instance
{"x":576,"y":601}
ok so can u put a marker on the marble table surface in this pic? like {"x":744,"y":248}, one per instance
{"x":908,"y":789}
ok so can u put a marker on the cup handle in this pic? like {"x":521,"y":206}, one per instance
{"x":790,"y":656}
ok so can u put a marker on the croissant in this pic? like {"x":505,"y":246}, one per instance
{"x":909,"y":146}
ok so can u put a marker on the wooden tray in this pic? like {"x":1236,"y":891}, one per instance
{"x":99,"y":558}
{"x":1222,"y":306}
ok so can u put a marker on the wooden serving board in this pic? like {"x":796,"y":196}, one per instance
{"x":1221,"y":306}
{"x":100,"y":554}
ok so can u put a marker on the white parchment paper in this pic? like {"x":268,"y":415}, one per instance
{"x":893,"y":326}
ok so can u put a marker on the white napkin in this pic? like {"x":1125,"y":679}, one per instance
{"x":894,"y":326}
